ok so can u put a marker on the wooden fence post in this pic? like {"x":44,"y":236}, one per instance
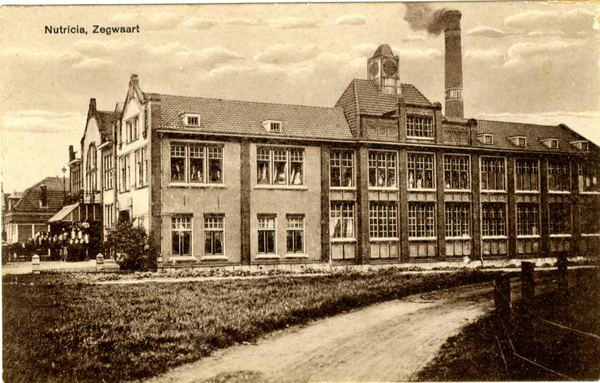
{"x":502,"y":295}
{"x":527,"y":281}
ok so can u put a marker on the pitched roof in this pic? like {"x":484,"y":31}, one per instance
{"x":245,"y":118}
{"x":502,"y":130}
{"x":105,"y":125}
{"x":31,"y":197}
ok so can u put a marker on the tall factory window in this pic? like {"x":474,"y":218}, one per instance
{"x":528,"y":219}
{"x":420,"y":171}
{"x":342,"y":220}
{"x":280,"y":166}
{"x":559,"y":176}
{"x":458,"y":220}
{"x":493,"y":219}
{"x":527,"y":175}
{"x":560,"y":218}
{"x":419,"y":126}
{"x":383,"y":220}
{"x":341,"y":166}
{"x":421,"y":220}
{"x":108,"y":168}
{"x":456,"y":172}
{"x":382,"y":169}
{"x":588,"y":177}
{"x":493,"y":174}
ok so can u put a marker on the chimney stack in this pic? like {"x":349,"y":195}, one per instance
{"x":44,"y":196}
{"x":71,"y":153}
{"x":133,"y":80}
{"x":454,"y":83}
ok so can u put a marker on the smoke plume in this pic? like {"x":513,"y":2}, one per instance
{"x":421,"y":16}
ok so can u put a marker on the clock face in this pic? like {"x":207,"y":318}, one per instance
{"x":374,"y":69}
{"x":389,"y":67}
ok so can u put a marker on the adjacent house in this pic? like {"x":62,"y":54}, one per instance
{"x":383,"y":177}
{"x":26,"y":214}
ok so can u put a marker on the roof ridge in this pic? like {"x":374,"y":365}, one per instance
{"x":249,"y":102}
{"x":520,"y":123}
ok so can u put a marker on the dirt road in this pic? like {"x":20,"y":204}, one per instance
{"x":385,"y":342}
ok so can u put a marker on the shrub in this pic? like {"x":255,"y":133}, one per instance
{"x":133,"y":247}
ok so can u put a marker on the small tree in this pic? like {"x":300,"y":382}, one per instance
{"x":133,"y":247}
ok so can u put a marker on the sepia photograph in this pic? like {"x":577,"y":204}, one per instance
{"x":301,"y":192}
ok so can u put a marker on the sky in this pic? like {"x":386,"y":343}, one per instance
{"x":529,"y":62}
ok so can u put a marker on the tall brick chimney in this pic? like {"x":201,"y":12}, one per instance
{"x":44,"y":195}
{"x":454,"y":82}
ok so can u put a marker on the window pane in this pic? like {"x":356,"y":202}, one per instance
{"x":218,"y":242}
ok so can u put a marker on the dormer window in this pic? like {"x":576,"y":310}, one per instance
{"x":272,"y":126}
{"x":581,"y":145}
{"x":189,"y":119}
{"x":518,"y":140}
{"x":486,"y":138}
{"x":551,"y":143}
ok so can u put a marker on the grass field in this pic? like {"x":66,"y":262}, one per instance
{"x":56,"y":329}
{"x":474,"y":354}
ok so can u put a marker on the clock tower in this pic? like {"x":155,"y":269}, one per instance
{"x":383,"y":69}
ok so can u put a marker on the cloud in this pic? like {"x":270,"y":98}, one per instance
{"x":154,"y":22}
{"x":42,"y":122}
{"x":483,"y":31}
{"x":350,"y":20}
{"x":206,"y":59}
{"x":412,"y":38}
{"x":578,"y":22}
{"x":520,"y":52}
{"x":92,"y":63}
{"x":480,"y":55}
{"x":288,"y":53}
{"x":365,"y":50}
{"x":198,"y":23}
{"x":244,"y":22}
{"x":292,"y":23}
{"x":421,"y":54}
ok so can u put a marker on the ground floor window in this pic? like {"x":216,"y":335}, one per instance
{"x":383,"y":220}
{"x":266,"y":235}
{"x":342,"y":220}
{"x":213,"y":235}
{"x":181,"y":235}
{"x":421,"y":220}
{"x":493,"y":219}
{"x":109,"y":215}
{"x":458,"y":220}
{"x":590,"y":218}
{"x":528,"y":219}
{"x":295,"y":234}
{"x":560,"y":218}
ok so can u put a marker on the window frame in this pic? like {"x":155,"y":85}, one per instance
{"x":495,"y":221}
{"x":419,"y":222}
{"x":423,"y":129}
{"x":182,"y":230}
{"x":594,"y":176}
{"x":452,"y":164}
{"x":433,"y":171}
{"x":289,"y":230}
{"x":387,"y":223}
{"x":259,"y":229}
{"x":554,"y":218}
{"x":451,"y":214}
{"x":386,"y":168}
{"x":558,"y":165}
{"x":343,"y":219}
{"x":525,"y":225}
{"x":528,"y":161}
{"x":108,"y":170}
{"x":212,"y":230}
{"x":504,"y":178}
{"x":207,"y":151}
{"x":141,"y":168}
{"x":290,"y":160}
{"x":341,"y":167}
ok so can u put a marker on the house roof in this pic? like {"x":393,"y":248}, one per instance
{"x":362,"y":97}
{"x":246,"y":118}
{"x":30,"y":200}
{"x":105,"y":124}
{"x":502,"y":130}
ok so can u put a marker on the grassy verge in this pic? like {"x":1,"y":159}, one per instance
{"x":70,"y":331}
{"x":474,"y":354}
